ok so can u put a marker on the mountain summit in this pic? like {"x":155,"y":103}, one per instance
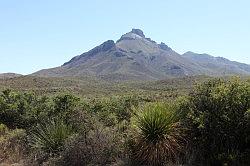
{"x":136,"y":57}
{"x":138,"y":32}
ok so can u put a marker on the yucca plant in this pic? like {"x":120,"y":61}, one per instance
{"x":49,"y":137}
{"x":159,"y":139}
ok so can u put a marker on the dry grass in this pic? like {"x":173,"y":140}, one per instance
{"x":12,"y":145}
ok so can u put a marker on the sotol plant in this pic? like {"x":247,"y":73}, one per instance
{"x":49,"y":137}
{"x":159,"y":139}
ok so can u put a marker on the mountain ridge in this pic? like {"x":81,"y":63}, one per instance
{"x":137,"y":57}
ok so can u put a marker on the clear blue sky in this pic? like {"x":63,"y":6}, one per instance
{"x":42,"y":34}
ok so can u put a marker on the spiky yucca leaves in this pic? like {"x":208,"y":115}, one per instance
{"x":49,"y":137}
{"x":159,"y":138}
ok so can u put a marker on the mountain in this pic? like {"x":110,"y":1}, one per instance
{"x":136,"y":57}
{"x":9,"y":75}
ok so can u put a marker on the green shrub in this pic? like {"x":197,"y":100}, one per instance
{"x":24,"y":110}
{"x":217,"y":123}
{"x":63,"y":105}
{"x":3,"y":129}
{"x":124,"y":107}
{"x":81,"y":121}
{"x":115,"y":109}
{"x":99,"y":146}
{"x":21,"y":110}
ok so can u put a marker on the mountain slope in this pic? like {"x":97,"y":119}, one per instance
{"x":135,"y":57}
{"x":218,"y":65}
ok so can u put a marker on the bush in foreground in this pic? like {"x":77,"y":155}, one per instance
{"x":100,"y":146}
{"x":217,"y":119}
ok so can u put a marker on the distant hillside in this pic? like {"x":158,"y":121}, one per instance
{"x":89,"y":87}
{"x":217,"y":65}
{"x":135,"y":57}
{"x":9,"y":75}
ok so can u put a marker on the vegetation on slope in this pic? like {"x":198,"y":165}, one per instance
{"x":92,"y":88}
{"x":208,"y":126}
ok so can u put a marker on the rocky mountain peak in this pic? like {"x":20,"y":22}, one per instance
{"x":138,"y":32}
{"x":133,"y":35}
